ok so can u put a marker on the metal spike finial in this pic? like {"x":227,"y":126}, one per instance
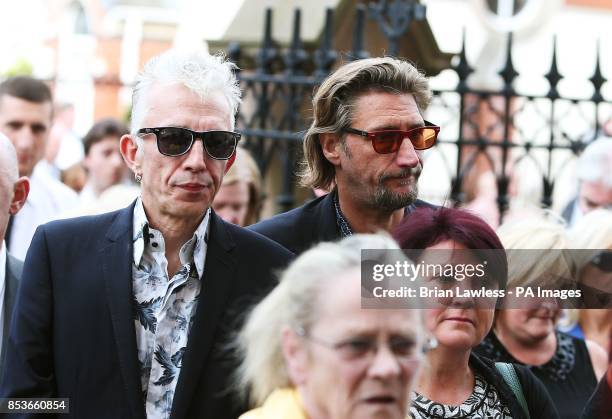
{"x":325,"y":56}
{"x":508,"y":73}
{"x":358,"y":52}
{"x":296,"y":55}
{"x":463,"y":68}
{"x":268,"y":52}
{"x":553,"y":76}
{"x":597,"y":79}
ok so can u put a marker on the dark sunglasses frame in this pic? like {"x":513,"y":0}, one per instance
{"x":372,"y":136}
{"x":204,"y":135}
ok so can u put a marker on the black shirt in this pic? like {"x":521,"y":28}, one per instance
{"x":568,"y":375}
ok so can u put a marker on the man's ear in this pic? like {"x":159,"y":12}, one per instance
{"x":129,"y":151}
{"x":330,"y":144}
{"x":230,"y":162}
{"x":296,"y":356}
{"x":21,"y":189}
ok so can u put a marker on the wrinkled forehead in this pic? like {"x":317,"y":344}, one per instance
{"x":166,"y":92}
{"x":339,"y":307}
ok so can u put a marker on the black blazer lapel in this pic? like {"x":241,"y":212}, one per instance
{"x":12,"y":275}
{"x":117,"y":267}
{"x":219,"y":273}
{"x":326,"y":228}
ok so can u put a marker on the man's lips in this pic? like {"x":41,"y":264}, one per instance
{"x":192,"y":187}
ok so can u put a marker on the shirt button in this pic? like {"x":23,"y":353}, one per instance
{"x":154,"y":244}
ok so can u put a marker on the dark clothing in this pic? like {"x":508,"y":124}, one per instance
{"x":11,"y":279}
{"x":599,"y":405}
{"x":538,"y":401}
{"x":305,"y":226}
{"x":73,"y":330}
{"x":568,"y":376}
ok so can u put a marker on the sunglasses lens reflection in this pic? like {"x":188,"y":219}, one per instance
{"x":385,"y":142}
{"x":174,"y":141}
{"x":178,"y":141}
{"x":220,"y":144}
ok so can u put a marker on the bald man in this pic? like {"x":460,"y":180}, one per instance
{"x":13,"y":194}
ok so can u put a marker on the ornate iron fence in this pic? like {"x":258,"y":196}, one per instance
{"x":516,"y":127}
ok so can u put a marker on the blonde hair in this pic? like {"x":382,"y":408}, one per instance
{"x":538,"y":234}
{"x":245,"y":170}
{"x":334,"y":104}
{"x":293,"y":303}
{"x":592,"y":232}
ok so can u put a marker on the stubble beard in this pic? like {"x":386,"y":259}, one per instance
{"x":387,"y":200}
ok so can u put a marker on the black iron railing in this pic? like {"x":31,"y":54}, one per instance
{"x":279,"y":90}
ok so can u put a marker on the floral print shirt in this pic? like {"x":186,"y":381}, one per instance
{"x":164,"y":308}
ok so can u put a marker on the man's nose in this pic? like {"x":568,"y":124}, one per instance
{"x":23,"y":138}
{"x":407,"y":155}
{"x":196,"y":156}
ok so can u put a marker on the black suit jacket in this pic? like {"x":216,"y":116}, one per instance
{"x":73,"y":332}
{"x":305,"y":226}
{"x":13,"y":273}
{"x":600,"y":404}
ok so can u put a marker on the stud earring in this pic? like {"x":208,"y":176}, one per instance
{"x":138,"y":177}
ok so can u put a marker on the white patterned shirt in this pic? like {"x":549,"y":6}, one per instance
{"x":164,"y":308}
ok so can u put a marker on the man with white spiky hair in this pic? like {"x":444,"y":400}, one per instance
{"x":126,"y":313}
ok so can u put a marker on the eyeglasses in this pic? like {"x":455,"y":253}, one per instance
{"x":389,"y":141}
{"x":175,"y":141}
{"x":403,"y":348}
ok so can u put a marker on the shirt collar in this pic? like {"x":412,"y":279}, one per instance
{"x":193,"y":249}
{"x":341,"y":222}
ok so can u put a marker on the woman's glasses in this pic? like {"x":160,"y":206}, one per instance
{"x":403,"y":348}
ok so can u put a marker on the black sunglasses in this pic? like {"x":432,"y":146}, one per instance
{"x":389,"y":141}
{"x":175,"y":141}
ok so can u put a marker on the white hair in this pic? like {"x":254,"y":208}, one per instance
{"x":9,"y":166}
{"x":293,"y":304}
{"x":198,"y":71}
{"x":595,"y":162}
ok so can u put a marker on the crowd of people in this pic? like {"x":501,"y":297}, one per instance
{"x":150,"y":288}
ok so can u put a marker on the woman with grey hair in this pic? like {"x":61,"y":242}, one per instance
{"x":311,"y":351}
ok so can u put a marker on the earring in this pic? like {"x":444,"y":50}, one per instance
{"x":430,"y":344}
{"x":137,"y":177}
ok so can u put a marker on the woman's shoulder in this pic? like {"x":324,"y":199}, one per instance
{"x":281,"y":403}
{"x":538,"y":400}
